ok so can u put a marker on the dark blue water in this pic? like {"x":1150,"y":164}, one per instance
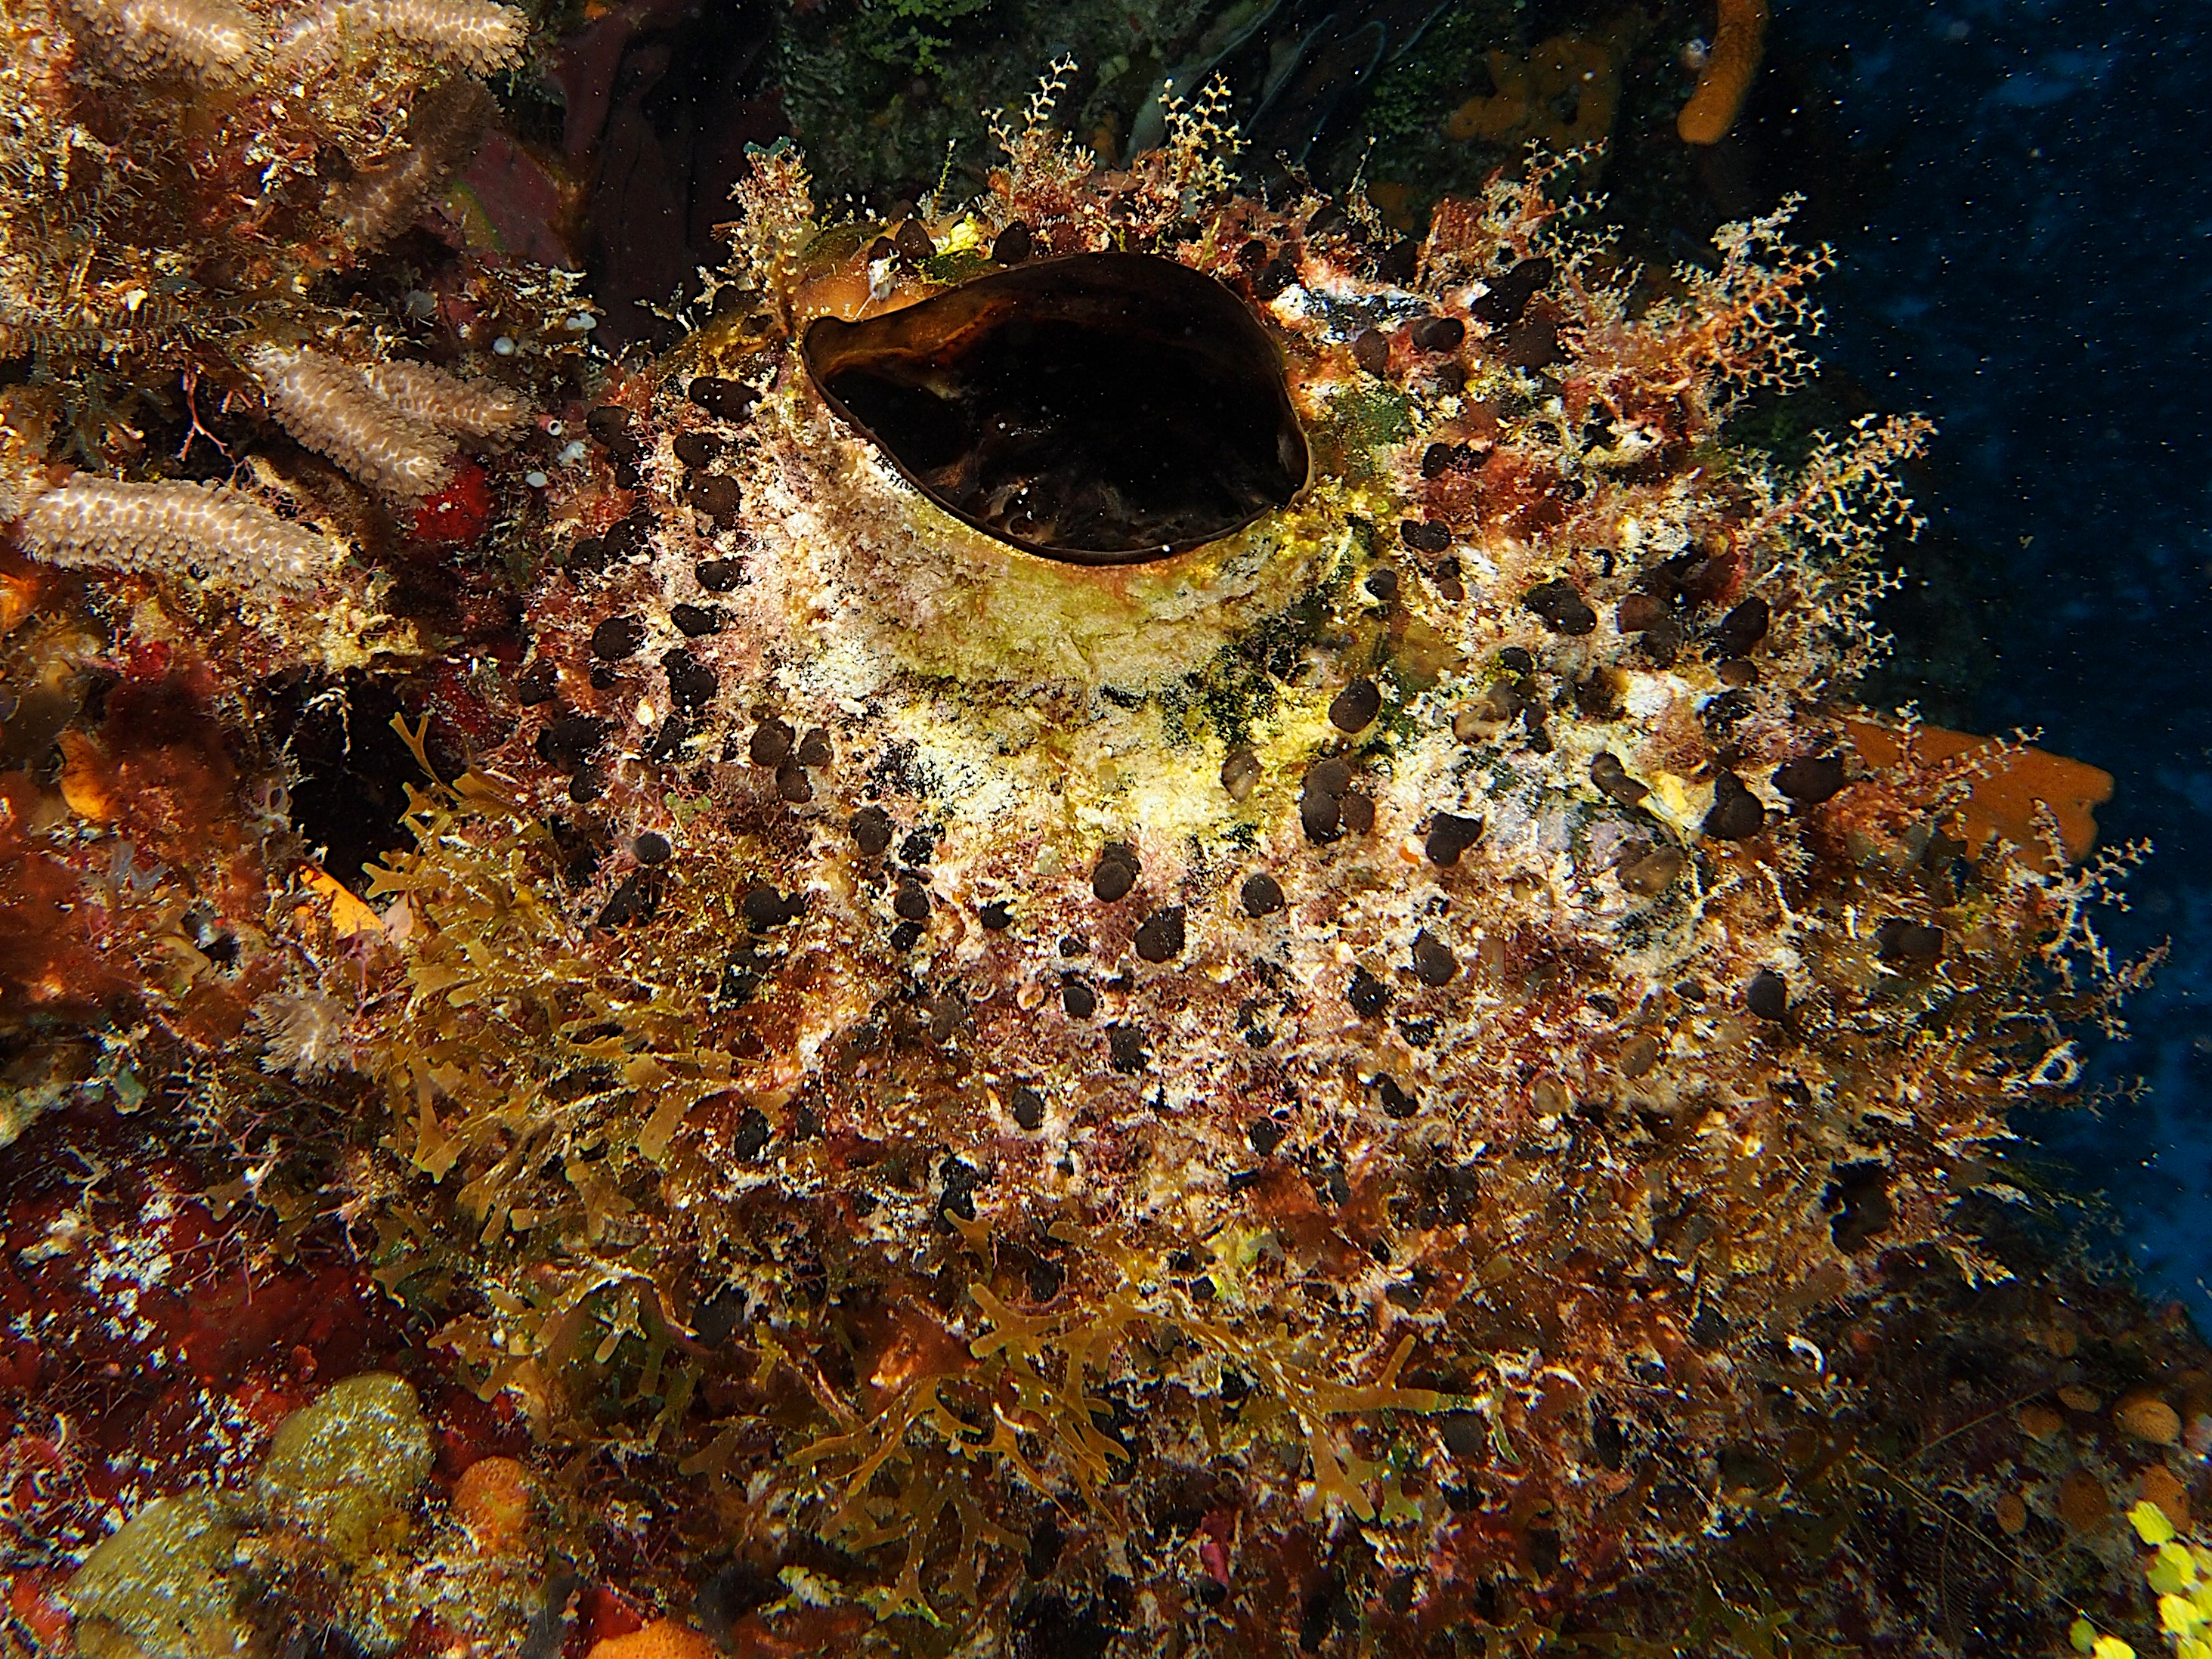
{"x":2035,"y":270}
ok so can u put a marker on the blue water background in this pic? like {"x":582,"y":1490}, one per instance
{"x":2035,"y":271}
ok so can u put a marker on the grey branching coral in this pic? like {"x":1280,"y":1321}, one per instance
{"x":166,"y":529}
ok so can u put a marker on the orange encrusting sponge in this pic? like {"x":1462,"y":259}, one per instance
{"x":2003,"y":802}
{"x":1726,"y":75}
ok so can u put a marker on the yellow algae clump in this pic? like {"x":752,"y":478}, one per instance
{"x":1725,"y":82}
{"x":343,"y":1468}
{"x":160,"y":1588}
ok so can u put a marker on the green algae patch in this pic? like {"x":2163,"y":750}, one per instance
{"x":160,"y":1588}
{"x":344,"y":1468}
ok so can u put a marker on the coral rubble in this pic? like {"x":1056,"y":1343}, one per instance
{"x":946,"y":1066}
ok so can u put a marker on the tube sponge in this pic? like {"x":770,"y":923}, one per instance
{"x":1726,"y":78}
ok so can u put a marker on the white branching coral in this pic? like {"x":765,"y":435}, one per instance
{"x":468,"y":408}
{"x":476,"y":35}
{"x":329,"y":405}
{"x":222,"y":532}
{"x":205,"y":38}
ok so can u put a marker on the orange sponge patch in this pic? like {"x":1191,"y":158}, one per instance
{"x":2006,"y":800}
{"x":1726,"y":78}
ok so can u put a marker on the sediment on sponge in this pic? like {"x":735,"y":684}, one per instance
{"x":167,"y":529}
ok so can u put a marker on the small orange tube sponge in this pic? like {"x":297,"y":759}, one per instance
{"x":2003,"y":801}
{"x":1726,"y":75}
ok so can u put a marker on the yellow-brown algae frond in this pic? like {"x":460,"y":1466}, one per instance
{"x":330,"y":406}
{"x":202,"y":38}
{"x":443,"y":130}
{"x":468,"y":408}
{"x":158,"y":527}
{"x":472,"y":34}
{"x":1725,"y":80}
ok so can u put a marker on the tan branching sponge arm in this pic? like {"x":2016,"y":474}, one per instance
{"x":208,"y":39}
{"x":330,"y":406}
{"x":475,"y":35}
{"x":467,"y":409}
{"x":159,"y":528}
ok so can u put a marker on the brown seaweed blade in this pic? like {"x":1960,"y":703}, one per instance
{"x":1102,"y":409}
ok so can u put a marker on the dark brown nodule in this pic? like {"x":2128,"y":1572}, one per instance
{"x":1609,"y":775}
{"x":1115,"y":873}
{"x":725,"y":399}
{"x":1743,"y":628}
{"x":618,"y":638}
{"x":1900,"y":940}
{"x":1354,"y":708}
{"x":1767,"y":996}
{"x":1434,"y":964}
{"x":1651,"y":873}
{"x":871,"y":826}
{"x":1639,"y":612}
{"x":1809,"y":782}
{"x":1013,"y":244}
{"x":1425,"y":535}
{"x":1371,"y":349}
{"x":913,"y":241}
{"x":1449,"y":835}
{"x":1262,"y":895}
{"x":1437,"y":333}
{"x":1562,"y":606}
{"x":769,"y":743}
{"x":1101,"y":408}
{"x":1161,"y":937}
{"x":1736,"y":813}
